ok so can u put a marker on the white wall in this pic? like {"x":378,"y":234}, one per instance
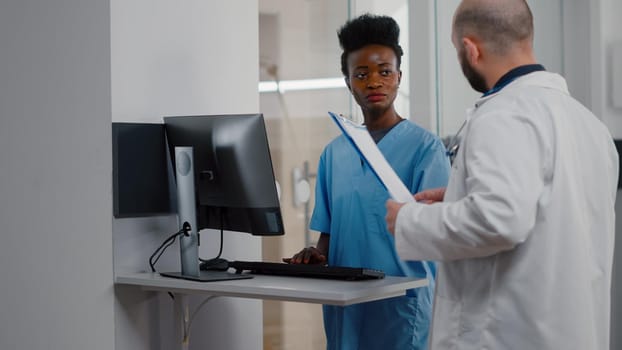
{"x":55,"y":175}
{"x":182,"y":58}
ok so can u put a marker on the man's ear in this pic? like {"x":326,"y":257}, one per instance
{"x":347,"y":80}
{"x":472,"y":50}
{"x":399,"y":77}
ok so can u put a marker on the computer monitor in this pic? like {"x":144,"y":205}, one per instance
{"x":140,"y":179}
{"x":234,"y":180}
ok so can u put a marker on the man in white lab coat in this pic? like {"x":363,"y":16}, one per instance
{"x":525,"y":228}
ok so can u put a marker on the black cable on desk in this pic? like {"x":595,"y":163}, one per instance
{"x":213,"y":261}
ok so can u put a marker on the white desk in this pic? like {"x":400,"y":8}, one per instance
{"x":307,"y":290}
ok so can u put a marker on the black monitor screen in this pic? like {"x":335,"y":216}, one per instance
{"x":234,"y":180}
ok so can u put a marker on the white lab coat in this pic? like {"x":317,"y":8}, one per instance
{"x":525,"y":234}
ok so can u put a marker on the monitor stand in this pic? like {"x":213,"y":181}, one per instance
{"x":189,"y":242}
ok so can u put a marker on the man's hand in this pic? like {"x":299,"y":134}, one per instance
{"x":310,"y":255}
{"x":430,"y":196}
{"x":393,"y":208}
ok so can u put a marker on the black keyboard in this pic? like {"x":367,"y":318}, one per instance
{"x":303,"y":270}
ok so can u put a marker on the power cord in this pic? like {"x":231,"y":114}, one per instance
{"x":207,"y":263}
{"x":185,"y":230}
{"x":188,"y":321}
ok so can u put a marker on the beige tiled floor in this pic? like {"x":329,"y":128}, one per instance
{"x":293,"y":326}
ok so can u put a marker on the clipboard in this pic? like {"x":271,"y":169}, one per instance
{"x":361,"y":140}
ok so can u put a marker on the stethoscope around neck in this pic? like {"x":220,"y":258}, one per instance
{"x":454,"y":144}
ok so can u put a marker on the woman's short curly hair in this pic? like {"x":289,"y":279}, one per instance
{"x":369,"y":29}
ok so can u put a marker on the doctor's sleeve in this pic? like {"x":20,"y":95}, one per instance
{"x":497,"y":204}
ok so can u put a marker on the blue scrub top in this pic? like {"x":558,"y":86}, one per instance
{"x":350,"y":206}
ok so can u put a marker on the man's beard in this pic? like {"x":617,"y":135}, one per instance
{"x":475,"y":79}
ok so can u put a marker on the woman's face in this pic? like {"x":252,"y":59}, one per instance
{"x":373,"y":77}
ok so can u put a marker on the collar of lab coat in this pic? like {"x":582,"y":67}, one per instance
{"x":540,"y":78}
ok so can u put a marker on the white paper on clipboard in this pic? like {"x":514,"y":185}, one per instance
{"x":361,"y":140}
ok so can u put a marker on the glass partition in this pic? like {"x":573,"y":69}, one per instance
{"x":300,"y":81}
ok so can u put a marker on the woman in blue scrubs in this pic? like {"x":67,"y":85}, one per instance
{"x":349,"y":203}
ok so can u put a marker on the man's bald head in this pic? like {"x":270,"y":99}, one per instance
{"x":499,"y":24}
